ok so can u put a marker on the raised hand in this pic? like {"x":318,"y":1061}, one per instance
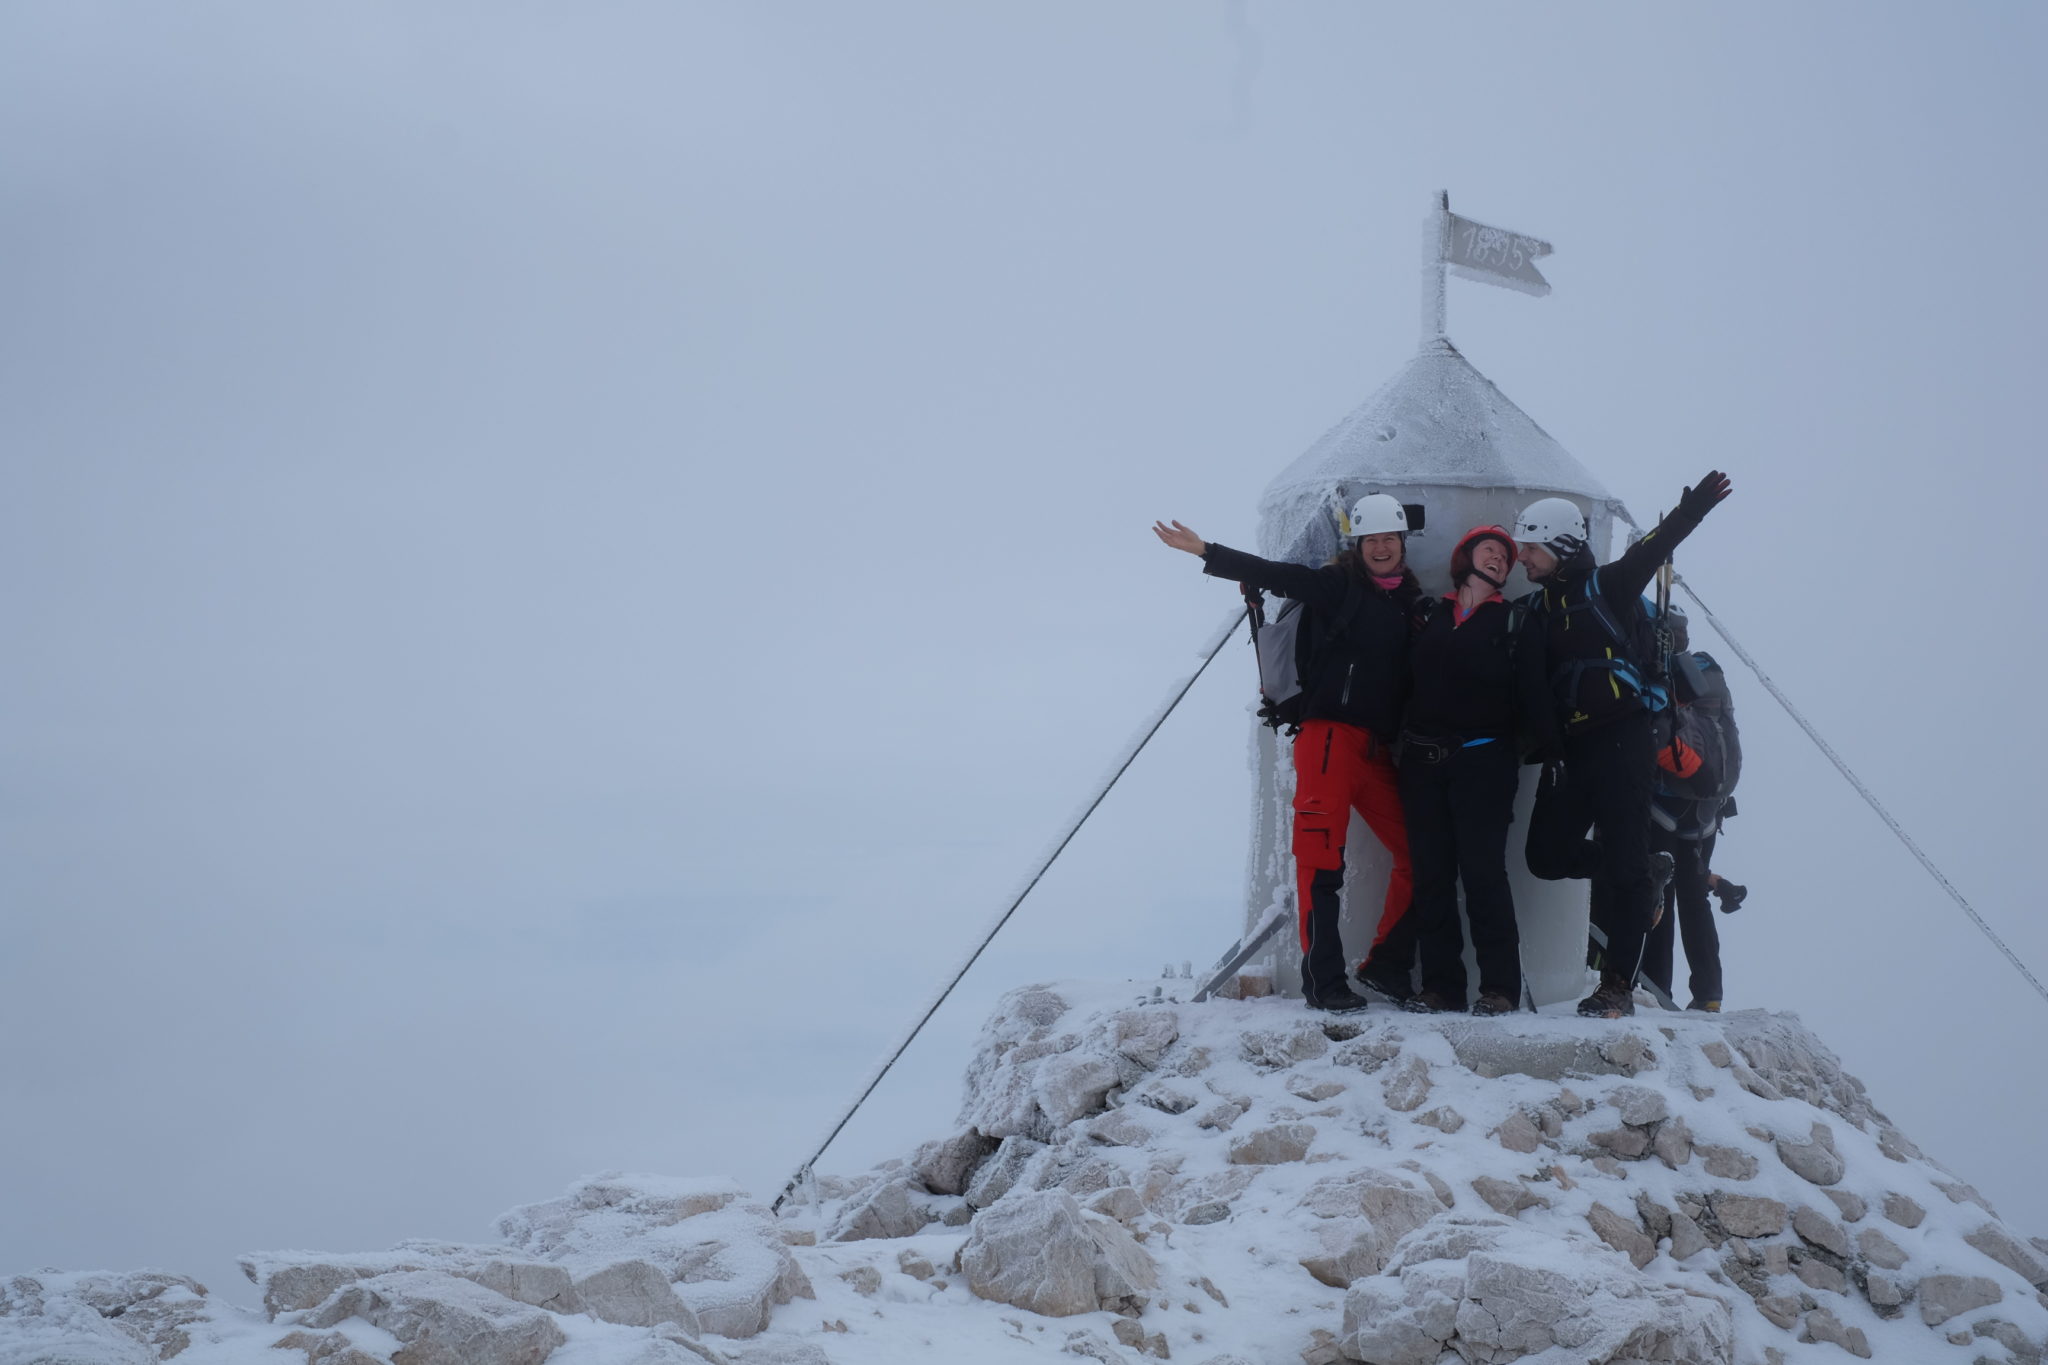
{"x":1180,"y":537}
{"x":1702,"y":497}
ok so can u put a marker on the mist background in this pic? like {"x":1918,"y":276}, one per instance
{"x":558,"y":565}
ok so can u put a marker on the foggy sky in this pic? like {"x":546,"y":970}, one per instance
{"x":559,"y":563}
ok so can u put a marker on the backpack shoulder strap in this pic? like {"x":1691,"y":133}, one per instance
{"x":1354,"y":598}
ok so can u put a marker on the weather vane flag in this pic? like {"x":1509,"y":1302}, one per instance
{"x":1474,"y":251}
{"x":1493,"y":255}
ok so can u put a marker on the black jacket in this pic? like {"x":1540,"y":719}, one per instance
{"x":1364,"y":681}
{"x":1466,"y":681}
{"x":1570,"y":632}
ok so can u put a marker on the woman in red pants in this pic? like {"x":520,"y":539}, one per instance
{"x":1362,"y":607}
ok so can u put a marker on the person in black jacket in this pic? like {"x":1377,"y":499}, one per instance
{"x":1596,"y":737}
{"x":1343,"y":757}
{"x":1459,"y":772}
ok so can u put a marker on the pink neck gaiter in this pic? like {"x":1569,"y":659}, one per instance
{"x":1387,"y":584}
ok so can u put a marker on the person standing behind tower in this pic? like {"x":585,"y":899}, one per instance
{"x":1459,"y":772}
{"x":1588,"y":620}
{"x":1699,"y":763}
{"x":1363,"y":601}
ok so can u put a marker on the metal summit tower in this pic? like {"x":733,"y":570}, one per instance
{"x":1440,"y":435}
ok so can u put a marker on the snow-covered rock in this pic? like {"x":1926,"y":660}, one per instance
{"x":1043,"y":1253}
{"x":725,"y":1255}
{"x":1667,"y":1188}
{"x":443,"y":1319}
{"x":1239,"y":1182}
{"x":100,"y":1318}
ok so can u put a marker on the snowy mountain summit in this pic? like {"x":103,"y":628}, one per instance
{"x":1238,"y":1182}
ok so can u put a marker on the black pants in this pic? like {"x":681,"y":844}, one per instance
{"x":1458,"y":811}
{"x":1603,"y":787}
{"x":1693,"y":920}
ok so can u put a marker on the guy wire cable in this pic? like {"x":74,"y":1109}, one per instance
{"x":1130,"y":755}
{"x":1868,"y":796}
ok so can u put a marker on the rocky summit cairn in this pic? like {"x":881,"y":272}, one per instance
{"x":1231,"y":1183}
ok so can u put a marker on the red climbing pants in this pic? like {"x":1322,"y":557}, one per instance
{"x":1340,"y":768}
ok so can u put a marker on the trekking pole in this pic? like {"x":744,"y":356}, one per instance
{"x":1665,"y":636}
{"x":1130,"y":755}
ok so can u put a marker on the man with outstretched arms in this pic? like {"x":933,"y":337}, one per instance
{"x":1588,"y":635}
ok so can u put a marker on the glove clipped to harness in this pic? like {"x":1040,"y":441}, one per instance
{"x":1702,"y":497}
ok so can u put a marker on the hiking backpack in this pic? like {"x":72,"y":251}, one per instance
{"x":1704,"y":720}
{"x":1292,"y":647}
{"x":1633,"y":650}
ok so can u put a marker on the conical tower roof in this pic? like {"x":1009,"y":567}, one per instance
{"x":1439,"y":423}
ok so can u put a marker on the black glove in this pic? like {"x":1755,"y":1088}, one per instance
{"x":1699,"y":499}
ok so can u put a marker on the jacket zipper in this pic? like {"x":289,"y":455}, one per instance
{"x":1349,"y":669}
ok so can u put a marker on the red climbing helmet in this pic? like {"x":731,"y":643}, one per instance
{"x":1461,"y":557}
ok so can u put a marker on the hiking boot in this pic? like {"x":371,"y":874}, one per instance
{"x":1708,"y":1006}
{"x":1615,"y":999}
{"x":1730,"y":895}
{"x":1427,"y":1002}
{"x":1342,"y":1002}
{"x":1492,"y":1003}
{"x":1391,"y":987}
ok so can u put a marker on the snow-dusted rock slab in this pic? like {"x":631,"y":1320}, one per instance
{"x":99,"y":1318}
{"x":444,"y":1320}
{"x":1512,"y":1293}
{"x":724,"y":1254}
{"x":1041,"y":1252}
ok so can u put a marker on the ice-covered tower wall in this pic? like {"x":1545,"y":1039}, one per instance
{"x":1439,"y":434}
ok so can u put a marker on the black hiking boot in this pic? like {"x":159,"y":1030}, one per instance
{"x":1343,"y":1001}
{"x":1389,"y":986}
{"x":1427,"y":1002}
{"x":1491,"y":1003}
{"x":1730,"y":895}
{"x":1615,"y":999}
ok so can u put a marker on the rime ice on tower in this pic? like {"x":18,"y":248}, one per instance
{"x":1438,"y":434}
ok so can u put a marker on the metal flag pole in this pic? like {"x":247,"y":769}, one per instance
{"x":1435,"y":310}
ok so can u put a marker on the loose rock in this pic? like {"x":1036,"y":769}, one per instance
{"x":946,"y":1165}
{"x":1273,"y":1146}
{"x":1727,"y":1163}
{"x":1507,"y":1196}
{"x":1822,"y":1325}
{"x":1745,"y":1215}
{"x":1850,"y":1206}
{"x":1944,"y":1296}
{"x":1622,"y":1234}
{"x":2003,"y":1248}
{"x":1518,"y":1134}
{"x":1408,"y":1087}
{"x":1820,"y":1230}
{"x":1903,"y":1211}
{"x":1880,"y":1250}
{"x":1814,"y":1160}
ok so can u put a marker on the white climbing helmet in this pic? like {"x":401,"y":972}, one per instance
{"x":1554,"y":523}
{"x":1376,"y":514}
